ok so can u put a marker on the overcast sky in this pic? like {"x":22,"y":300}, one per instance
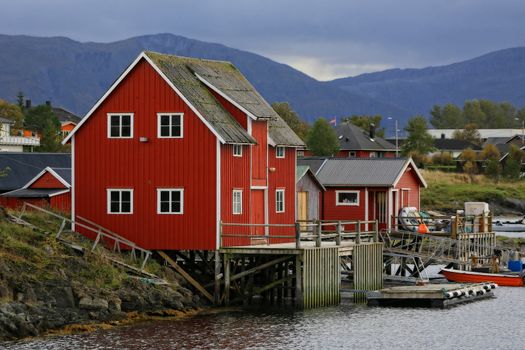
{"x":325,"y":39}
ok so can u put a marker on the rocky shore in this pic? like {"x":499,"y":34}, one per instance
{"x":45,"y":286}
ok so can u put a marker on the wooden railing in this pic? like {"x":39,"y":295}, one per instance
{"x":454,"y":225}
{"x":240,"y":234}
{"x":101,"y":234}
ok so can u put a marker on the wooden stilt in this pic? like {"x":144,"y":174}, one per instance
{"x":217,"y":292}
{"x":226,"y":279}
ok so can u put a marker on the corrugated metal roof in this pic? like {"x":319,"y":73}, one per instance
{"x":361,"y":171}
{"x":225,"y":77}
{"x":300,"y":170}
{"x":352,"y":137}
{"x":33,"y":192}
{"x":454,"y":145}
{"x":314,"y":163}
{"x":64,"y":173}
{"x":25,"y":166}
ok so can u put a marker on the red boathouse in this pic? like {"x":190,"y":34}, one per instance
{"x":366,"y":188}
{"x":49,"y":188}
{"x":177,"y":145}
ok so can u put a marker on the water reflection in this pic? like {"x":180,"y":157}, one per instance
{"x":488,"y":324}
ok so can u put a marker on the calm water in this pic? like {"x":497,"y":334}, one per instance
{"x":496,"y":323}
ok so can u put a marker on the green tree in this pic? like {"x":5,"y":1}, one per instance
{"x":418,"y":141}
{"x":490,"y":154}
{"x":322,"y":139}
{"x":448,"y":117}
{"x":469,"y":158}
{"x":490,"y":151}
{"x":470,"y":133}
{"x":12,"y":112}
{"x":473,"y":114}
{"x":291,"y":118}
{"x":50,"y":140}
{"x":512,"y":168}
{"x":42,"y":120}
{"x":20,"y":100}
{"x":364,"y":122}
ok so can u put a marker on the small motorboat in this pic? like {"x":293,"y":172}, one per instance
{"x":509,"y":280}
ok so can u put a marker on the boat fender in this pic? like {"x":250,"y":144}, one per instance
{"x":494,"y":286}
{"x":486,"y":287}
{"x":457,"y":294}
{"x":450,"y":295}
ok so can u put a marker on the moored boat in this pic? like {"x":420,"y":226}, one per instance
{"x":509,"y":280}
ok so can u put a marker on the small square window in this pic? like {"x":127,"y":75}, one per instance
{"x":170,"y":201}
{"x":120,"y":201}
{"x":373,"y":155}
{"x":347,"y":198}
{"x":279,"y":152}
{"x":170,"y":125}
{"x":120,"y":125}
{"x":351,"y":154}
{"x":300,"y":153}
{"x":237,"y":202}
{"x":237,"y":150}
{"x":279,"y":201}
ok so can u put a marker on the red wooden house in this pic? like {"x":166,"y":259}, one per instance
{"x":366,"y":189}
{"x":49,"y":188}
{"x":177,"y":145}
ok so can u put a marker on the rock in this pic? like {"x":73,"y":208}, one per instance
{"x":64,"y":297}
{"x":115,"y":305}
{"x":88,"y":303}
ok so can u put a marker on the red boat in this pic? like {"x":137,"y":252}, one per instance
{"x":510,"y":280}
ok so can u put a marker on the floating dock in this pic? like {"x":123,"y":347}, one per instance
{"x":430,"y":295}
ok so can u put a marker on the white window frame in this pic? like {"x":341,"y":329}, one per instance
{"x":159,"y":117}
{"x":177,"y":189}
{"x":280,"y":190}
{"x":352,"y":154}
{"x":300,"y":153}
{"x":337,"y":203}
{"x":237,"y":150}
{"x":108,"y":201}
{"x":234,"y":208}
{"x":131,"y":119}
{"x":372,"y":155}
{"x":277,"y":149}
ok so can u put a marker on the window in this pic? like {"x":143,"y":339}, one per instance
{"x":120,"y":126}
{"x":279,"y":152}
{"x":170,"y":201}
{"x":300,"y":153}
{"x":237,"y":150}
{"x":237,"y":202}
{"x":170,"y":125}
{"x":351,"y":154}
{"x":120,"y":201}
{"x":279,"y":201}
{"x":347,"y":197}
{"x":373,"y":155}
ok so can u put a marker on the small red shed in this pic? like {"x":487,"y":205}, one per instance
{"x":177,"y":145}
{"x":367,"y":188}
{"x":49,"y":188}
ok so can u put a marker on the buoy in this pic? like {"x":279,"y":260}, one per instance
{"x":422,"y":228}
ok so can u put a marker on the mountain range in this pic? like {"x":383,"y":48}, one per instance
{"x":75,"y":74}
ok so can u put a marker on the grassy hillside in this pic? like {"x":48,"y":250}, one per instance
{"x":45,"y":285}
{"x":448,"y":191}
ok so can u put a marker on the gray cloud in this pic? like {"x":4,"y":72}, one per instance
{"x":325,"y":39}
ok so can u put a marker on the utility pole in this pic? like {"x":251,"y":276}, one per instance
{"x":397,"y":138}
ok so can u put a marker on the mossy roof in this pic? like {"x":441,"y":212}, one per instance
{"x":224,"y":76}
